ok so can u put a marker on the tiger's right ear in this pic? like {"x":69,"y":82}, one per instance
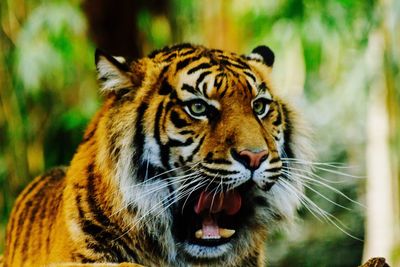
{"x":113,"y":73}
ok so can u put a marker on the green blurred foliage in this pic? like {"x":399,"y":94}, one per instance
{"x":48,"y":91}
{"x":48,"y":94}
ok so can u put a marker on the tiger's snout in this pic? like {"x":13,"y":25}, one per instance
{"x":251,"y":160}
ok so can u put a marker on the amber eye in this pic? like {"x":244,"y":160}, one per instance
{"x":197,"y":108}
{"x":260,"y":106}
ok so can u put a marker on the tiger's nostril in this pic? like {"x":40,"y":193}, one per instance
{"x":251,"y":160}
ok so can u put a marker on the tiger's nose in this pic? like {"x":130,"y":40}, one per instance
{"x":251,"y":160}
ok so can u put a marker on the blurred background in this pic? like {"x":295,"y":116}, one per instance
{"x":337,"y":61}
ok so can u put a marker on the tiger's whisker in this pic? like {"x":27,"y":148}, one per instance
{"x":290,"y":169}
{"x":163,"y":173}
{"x":166,"y":202}
{"x":162,"y":185}
{"x":327,"y":186}
{"x":299,"y":196}
{"x":140,"y":219}
{"x":324,"y":214}
{"x":320,"y":194}
{"x":194,"y":189}
{"x":328,"y":164}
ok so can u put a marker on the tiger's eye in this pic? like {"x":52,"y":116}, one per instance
{"x":197,"y":108}
{"x":259,"y":106}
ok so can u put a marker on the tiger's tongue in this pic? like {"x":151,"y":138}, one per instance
{"x":229,"y":202}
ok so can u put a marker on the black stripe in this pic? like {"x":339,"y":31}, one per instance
{"x":170,"y":49}
{"x":38,"y":198}
{"x":101,"y":218}
{"x":78,"y":201}
{"x":229,"y":63}
{"x":89,"y":136}
{"x":274,"y":177}
{"x":243,"y":63}
{"x":189,"y":88}
{"x":164,"y":151}
{"x":217,"y":51}
{"x":268,"y":185}
{"x":201,"y":78}
{"x":274,"y":169}
{"x":218,"y":161}
{"x":177,"y":143}
{"x":138,"y":139}
{"x":101,"y":237}
{"x":95,"y":208}
{"x":219,"y":78}
{"x":249,"y":87}
{"x":190,"y":51}
{"x":168,"y":108}
{"x":165,"y":88}
{"x":274,"y":160}
{"x":42,"y":217}
{"x":21,"y":220}
{"x":250,"y":75}
{"x":104,"y":234}
{"x":25,"y":210}
{"x":177,"y":120}
{"x":170,"y":57}
{"x":186,"y":132}
{"x":196,"y":149}
{"x":224,"y":92}
{"x":183,"y":63}
{"x":53,"y":212}
{"x":224,"y":57}
{"x":287,"y":133}
{"x":81,"y":258}
{"x":204,"y":89}
{"x":219,"y":171}
{"x":278,"y":120}
{"x":22,"y":197}
{"x":88,"y":227}
{"x":262,"y":87}
{"x":199,"y":67}
{"x":163,"y":71}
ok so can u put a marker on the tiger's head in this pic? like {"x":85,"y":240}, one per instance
{"x":200,"y":143}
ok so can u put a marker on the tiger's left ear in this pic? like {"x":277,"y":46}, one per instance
{"x":113,"y":73}
{"x":262,"y":54}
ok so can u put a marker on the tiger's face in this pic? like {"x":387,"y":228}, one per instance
{"x":199,"y":154}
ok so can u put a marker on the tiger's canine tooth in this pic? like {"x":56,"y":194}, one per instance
{"x":199,"y":234}
{"x":226,"y":233}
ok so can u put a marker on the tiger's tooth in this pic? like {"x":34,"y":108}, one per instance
{"x":223,"y":232}
{"x":226,"y":233}
{"x":198,"y":234}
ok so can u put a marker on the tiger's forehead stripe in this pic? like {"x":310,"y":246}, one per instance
{"x":209,"y":74}
{"x":208,"y":83}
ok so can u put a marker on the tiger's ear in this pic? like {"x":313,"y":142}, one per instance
{"x":113,"y":73}
{"x":262,"y":54}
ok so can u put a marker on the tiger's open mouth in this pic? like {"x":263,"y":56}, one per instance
{"x":211,"y":219}
{"x":209,"y":206}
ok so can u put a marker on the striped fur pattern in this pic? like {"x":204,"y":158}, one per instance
{"x":173,"y":124}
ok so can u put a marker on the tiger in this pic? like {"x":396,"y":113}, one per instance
{"x":184,"y":164}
